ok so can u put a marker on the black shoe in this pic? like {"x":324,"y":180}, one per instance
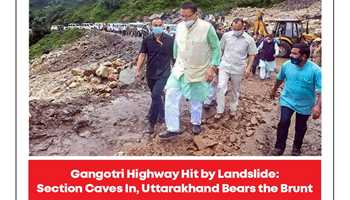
{"x":161,"y":120}
{"x":196,"y":129}
{"x":296,"y":152}
{"x":168,"y":134}
{"x":277,"y":152}
{"x":149,"y":128}
{"x":206,"y":106}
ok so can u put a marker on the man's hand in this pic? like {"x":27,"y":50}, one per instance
{"x":138,"y":74}
{"x":140,"y":61}
{"x":273,"y":93}
{"x":247,"y":72}
{"x":210,"y":75}
{"x":316,"y":112}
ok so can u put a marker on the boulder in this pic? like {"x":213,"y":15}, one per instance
{"x":102,"y":71}
{"x":203,"y":143}
{"x":77,"y":72}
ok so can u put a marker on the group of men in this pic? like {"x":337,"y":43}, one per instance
{"x":200,"y":59}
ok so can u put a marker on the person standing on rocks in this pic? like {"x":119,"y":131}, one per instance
{"x":258,"y":40}
{"x":158,"y":47}
{"x":236,"y":46}
{"x":301,"y":94}
{"x":197,"y":54}
{"x":316,"y":51}
{"x":268,"y":52}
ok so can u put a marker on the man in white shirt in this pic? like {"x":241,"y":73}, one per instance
{"x":236,"y":46}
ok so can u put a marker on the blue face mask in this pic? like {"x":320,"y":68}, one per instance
{"x":157,"y":30}
{"x":295,"y":61}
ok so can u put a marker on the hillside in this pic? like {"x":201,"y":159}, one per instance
{"x":67,"y":11}
{"x":44,"y":13}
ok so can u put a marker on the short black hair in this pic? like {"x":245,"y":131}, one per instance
{"x":236,"y":20}
{"x":190,"y":5}
{"x":303,"y":48}
{"x":156,"y":18}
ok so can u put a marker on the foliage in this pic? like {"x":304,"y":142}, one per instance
{"x":53,"y":41}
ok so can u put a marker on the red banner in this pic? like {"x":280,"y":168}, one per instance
{"x":174,"y":179}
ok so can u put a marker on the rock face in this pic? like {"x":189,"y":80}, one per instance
{"x":299,"y":4}
{"x":300,"y":9}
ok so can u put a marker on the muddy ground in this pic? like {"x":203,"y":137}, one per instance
{"x":76,"y":121}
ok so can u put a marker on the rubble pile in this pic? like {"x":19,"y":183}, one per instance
{"x":281,"y":11}
{"x":94,"y":47}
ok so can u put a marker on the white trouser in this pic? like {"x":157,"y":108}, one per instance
{"x":264,"y":73}
{"x":212,"y":94}
{"x":233,"y":94}
{"x":172,"y":110}
{"x":266,"y":68}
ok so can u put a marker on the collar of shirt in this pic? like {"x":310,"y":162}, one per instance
{"x":241,"y":36}
{"x":160,"y":39}
{"x":195,"y":22}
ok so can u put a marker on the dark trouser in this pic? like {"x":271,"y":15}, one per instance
{"x":156,"y":110}
{"x":283,"y":127}
{"x":255,"y":63}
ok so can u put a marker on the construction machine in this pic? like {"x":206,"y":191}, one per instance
{"x":286,"y":32}
{"x":290,"y":31}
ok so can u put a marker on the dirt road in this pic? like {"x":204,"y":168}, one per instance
{"x":98,"y":125}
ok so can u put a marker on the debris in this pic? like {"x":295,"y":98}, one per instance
{"x":103,"y":71}
{"x":203,"y":143}
{"x":249,"y":133}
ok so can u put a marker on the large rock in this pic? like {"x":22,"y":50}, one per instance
{"x":117,"y":63}
{"x":102,"y":89}
{"x":107,"y":64}
{"x":95,"y":80}
{"x":103,"y":71}
{"x":113,"y":84}
{"x":203,"y":143}
{"x":77,"y":72}
{"x":90,"y":69}
{"x":127,"y":76}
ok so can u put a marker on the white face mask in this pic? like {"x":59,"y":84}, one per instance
{"x":189,"y":23}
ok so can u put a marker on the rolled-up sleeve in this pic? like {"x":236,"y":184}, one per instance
{"x":214,"y":44}
{"x":144,"y":47}
{"x":282,"y":74}
{"x":318,"y":81}
{"x":252,"y":50}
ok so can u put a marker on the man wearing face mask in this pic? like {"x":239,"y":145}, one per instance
{"x":236,"y":46}
{"x":301,"y":94}
{"x":158,"y":47}
{"x":268,"y":52}
{"x":197,"y":53}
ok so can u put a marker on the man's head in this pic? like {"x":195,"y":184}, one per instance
{"x":237,"y":24}
{"x":188,"y":13}
{"x":299,"y":54}
{"x":221,"y":28}
{"x":237,"y":27}
{"x":157,"y":26}
{"x":269,"y":38}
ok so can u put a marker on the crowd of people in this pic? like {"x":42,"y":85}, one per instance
{"x":209,"y":66}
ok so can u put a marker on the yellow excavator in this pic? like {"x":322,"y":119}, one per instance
{"x":259,"y":25}
{"x":286,"y":31}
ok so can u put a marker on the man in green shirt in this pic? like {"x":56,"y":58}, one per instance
{"x":197,"y":53}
